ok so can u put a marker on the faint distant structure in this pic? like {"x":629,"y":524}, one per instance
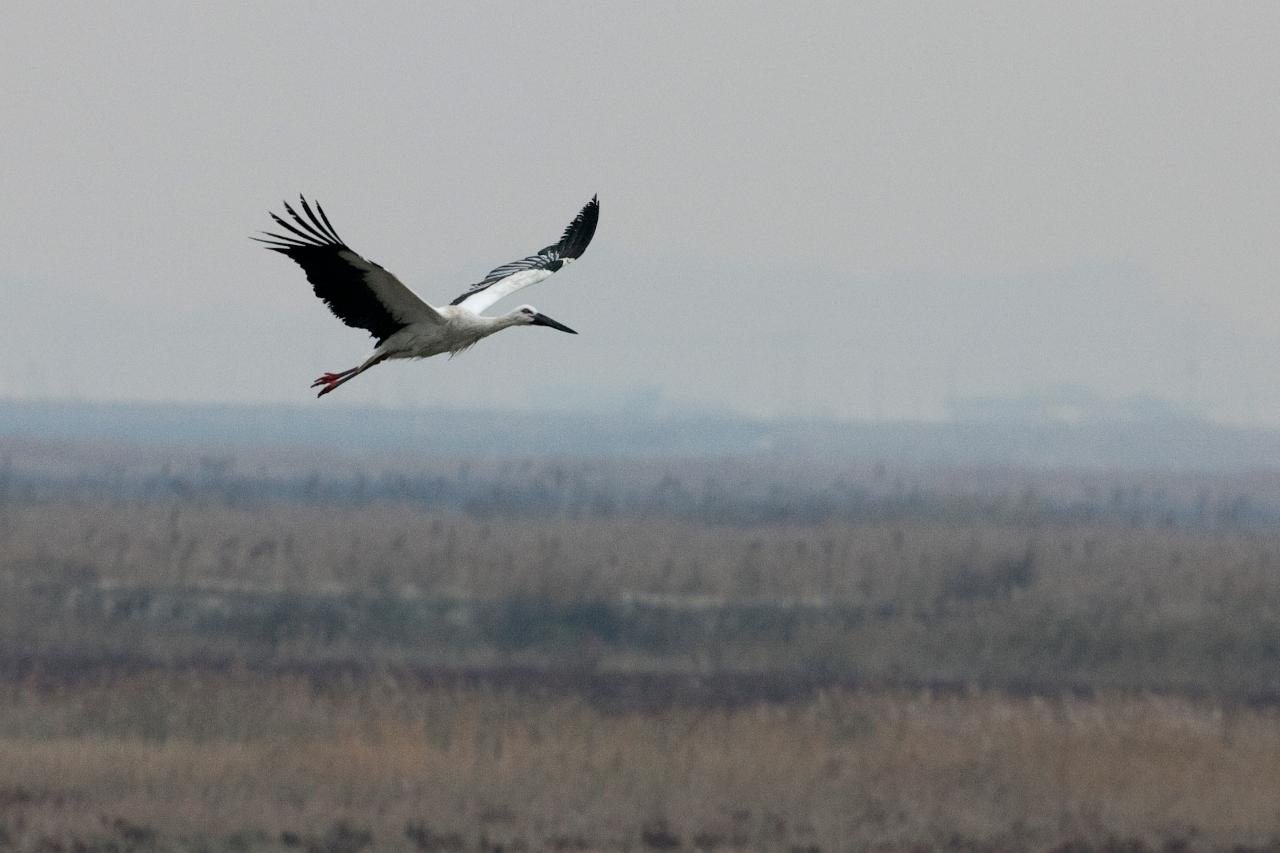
{"x":35,"y":387}
{"x":794,"y":392}
{"x":1069,"y":404}
{"x":949,"y":392}
{"x":877,"y":393}
{"x":1191,"y":369}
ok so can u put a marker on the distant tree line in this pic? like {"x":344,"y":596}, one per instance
{"x":702,"y":493}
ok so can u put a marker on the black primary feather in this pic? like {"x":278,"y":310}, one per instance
{"x":339,"y":281}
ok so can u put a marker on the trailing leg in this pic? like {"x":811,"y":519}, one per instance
{"x":329,"y":381}
{"x":329,"y":378}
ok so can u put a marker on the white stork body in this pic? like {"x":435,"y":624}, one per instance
{"x":364,"y":295}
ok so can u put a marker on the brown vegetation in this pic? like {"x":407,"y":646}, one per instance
{"x":1028,"y":607}
{"x":191,"y":755}
{"x":756,"y":664}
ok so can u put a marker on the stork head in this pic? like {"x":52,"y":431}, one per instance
{"x":527,"y":315}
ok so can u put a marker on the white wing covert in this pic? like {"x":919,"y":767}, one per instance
{"x":510,"y":277}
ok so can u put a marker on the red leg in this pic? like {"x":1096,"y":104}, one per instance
{"x":335,"y":381}
{"x":329,"y":378}
{"x":330,"y":381}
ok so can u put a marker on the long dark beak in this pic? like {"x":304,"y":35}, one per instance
{"x":544,"y":320}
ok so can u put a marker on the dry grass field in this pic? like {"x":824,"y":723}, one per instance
{"x":909,"y":601}
{"x":199,"y":761}
{"x":614,"y":658}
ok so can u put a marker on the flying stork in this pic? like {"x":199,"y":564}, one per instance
{"x":364,"y":295}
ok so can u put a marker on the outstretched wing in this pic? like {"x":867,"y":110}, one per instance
{"x":359,"y":292}
{"x":509,"y":278}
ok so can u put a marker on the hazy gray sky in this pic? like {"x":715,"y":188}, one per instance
{"x":804,"y":209}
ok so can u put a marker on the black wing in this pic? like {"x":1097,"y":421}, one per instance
{"x":511,"y":277}
{"x":359,"y":292}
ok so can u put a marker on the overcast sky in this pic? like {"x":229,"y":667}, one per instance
{"x":805,"y":209}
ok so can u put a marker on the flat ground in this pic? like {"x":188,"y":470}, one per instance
{"x":189,"y":759}
{"x":724,"y":659}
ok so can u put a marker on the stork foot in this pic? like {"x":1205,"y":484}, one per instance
{"x":329,"y":381}
{"x":330,"y":378}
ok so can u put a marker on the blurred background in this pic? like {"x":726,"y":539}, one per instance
{"x":913,"y":482}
